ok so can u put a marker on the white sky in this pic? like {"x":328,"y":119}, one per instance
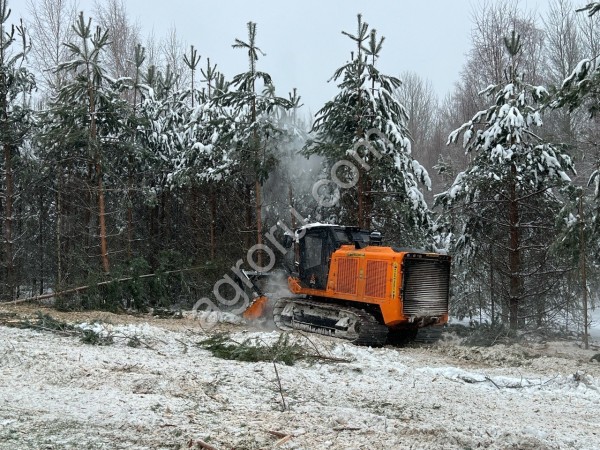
{"x":303,"y":40}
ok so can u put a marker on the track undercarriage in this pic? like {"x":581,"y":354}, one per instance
{"x":355,"y":325}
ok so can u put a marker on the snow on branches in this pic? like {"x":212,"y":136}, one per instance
{"x":502,"y":137}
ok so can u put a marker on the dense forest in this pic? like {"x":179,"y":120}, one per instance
{"x":123,"y":158}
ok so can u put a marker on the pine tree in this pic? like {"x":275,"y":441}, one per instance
{"x":90,"y":114}
{"x":251,"y":129}
{"x":389,"y":177}
{"x":507,"y":195}
{"x":192,"y":62}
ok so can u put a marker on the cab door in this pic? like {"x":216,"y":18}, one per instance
{"x":314,"y":258}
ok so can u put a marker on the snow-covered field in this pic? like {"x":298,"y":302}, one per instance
{"x":59,"y":393}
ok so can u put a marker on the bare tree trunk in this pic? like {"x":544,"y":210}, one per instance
{"x":59,"y":213}
{"x":368,"y":203}
{"x":291,"y":201}
{"x":102,"y":221}
{"x":583,"y":272}
{"x":213,"y":223}
{"x":258,"y":204}
{"x":100,"y":186}
{"x":361,"y":211}
{"x":492,"y":287}
{"x":259,"y":221}
{"x":248,"y":206}
{"x":514,"y":252}
{"x":8,"y":174}
{"x":41,"y":221}
{"x":8,"y":221}
{"x":130,"y":208}
{"x":164,"y":218}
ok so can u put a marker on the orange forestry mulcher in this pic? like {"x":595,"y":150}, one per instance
{"x":345,"y":284}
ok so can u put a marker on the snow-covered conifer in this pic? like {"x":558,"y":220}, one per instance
{"x":507,"y":195}
{"x":385,"y":184}
{"x":90,"y":115}
{"x":251,"y":126}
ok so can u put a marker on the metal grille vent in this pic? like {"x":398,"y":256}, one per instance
{"x":347,"y":275}
{"x":425,"y":288}
{"x":376,"y":275}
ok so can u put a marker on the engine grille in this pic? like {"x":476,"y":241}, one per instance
{"x":376,"y":276}
{"x":347,"y":275}
{"x":425,"y":286}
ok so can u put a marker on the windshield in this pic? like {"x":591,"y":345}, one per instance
{"x":350,"y":236}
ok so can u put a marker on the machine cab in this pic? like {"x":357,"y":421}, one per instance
{"x":316,"y":243}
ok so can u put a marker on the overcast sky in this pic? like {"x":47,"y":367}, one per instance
{"x":302,"y":39}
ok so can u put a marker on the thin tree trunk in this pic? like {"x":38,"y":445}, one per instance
{"x":213,"y":223}
{"x":154,"y":232}
{"x":258,"y":204}
{"x":89,"y":207}
{"x":368,"y":202}
{"x":291,"y":201}
{"x":514,"y":252}
{"x":100,"y":186}
{"x":41,"y":221}
{"x":8,"y":194}
{"x":583,"y":272}
{"x":59,"y":231}
{"x":130,"y":208}
{"x":8,"y":221}
{"x":248,"y":206}
{"x":102,"y":221}
{"x":165,"y":221}
{"x":361,"y":212}
{"x":259,"y":221}
{"x":492,"y":287}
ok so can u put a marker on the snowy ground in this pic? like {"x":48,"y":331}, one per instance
{"x":59,"y":393}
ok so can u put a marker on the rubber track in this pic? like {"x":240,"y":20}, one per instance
{"x":372,"y":333}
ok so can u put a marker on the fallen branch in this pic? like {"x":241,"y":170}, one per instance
{"x":278,"y":434}
{"x":185,"y":346}
{"x":283,"y":440}
{"x":75,"y":290}
{"x":280,"y":388}
{"x":201,"y":444}
{"x":311,"y":342}
{"x":492,"y":381}
{"x":285,"y":350}
{"x":138,"y":341}
{"x":346,"y":428}
{"x":548,"y":381}
{"x":284,"y":437}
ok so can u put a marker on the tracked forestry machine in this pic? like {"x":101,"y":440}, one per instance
{"x":344,"y":283}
